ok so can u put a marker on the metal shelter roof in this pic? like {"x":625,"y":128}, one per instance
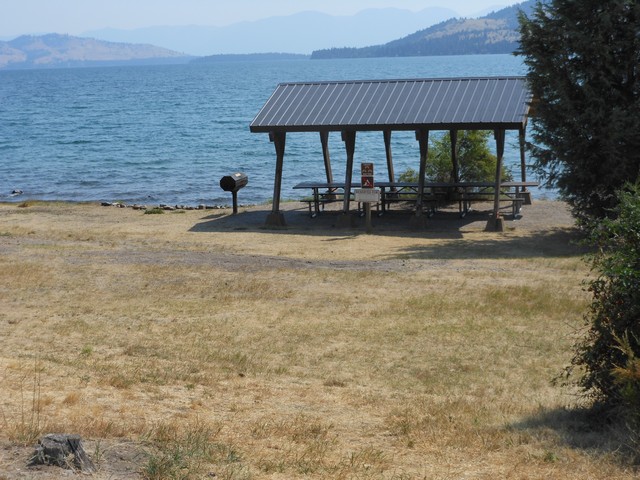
{"x":435,"y":104}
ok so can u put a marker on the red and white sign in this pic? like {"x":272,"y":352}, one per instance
{"x":366,"y":170}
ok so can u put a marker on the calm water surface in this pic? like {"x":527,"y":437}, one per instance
{"x":167,"y":134}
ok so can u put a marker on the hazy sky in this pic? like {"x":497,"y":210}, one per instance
{"x":76,"y":16}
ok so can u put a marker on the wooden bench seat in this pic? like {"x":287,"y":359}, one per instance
{"x":466,"y":199}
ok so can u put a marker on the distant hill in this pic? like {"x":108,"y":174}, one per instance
{"x":493,"y":33}
{"x":295,"y":34}
{"x":241,"y":57}
{"x":56,"y":51}
{"x":300,"y":33}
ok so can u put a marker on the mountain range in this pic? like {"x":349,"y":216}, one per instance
{"x":492,"y":33}
{"x":55,"y":50}
{"x":302,"y":32}
{"x":496,"y":32}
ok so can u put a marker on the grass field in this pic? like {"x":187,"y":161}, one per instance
{"x":197,"y":345}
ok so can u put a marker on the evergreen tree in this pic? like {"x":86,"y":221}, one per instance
{"x":583,"y":59}
{"x":476,"y":163}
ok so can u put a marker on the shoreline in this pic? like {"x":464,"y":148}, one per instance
{"x":541,"y":215}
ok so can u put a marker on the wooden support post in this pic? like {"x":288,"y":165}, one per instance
{"x":523,"y":166}
{"x":423,"y":140}
{"x":454,"y":156}
{"x":418,"y":220}
{"x":276,"y":217}
{"x":496,"y":222}
{"x":387,"y":149}
{"x":349,"y":139}
{"x":324,"y":140}
{"x":525,"y":193}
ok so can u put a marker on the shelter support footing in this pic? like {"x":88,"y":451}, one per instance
{"x":418,"y":221}
{"x":275,"y":219}
{"x":495,"y":224}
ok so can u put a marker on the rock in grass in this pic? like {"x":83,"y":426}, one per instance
{"x":64,"y":451}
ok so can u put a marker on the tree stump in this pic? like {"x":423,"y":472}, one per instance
{"x":64,"y":451}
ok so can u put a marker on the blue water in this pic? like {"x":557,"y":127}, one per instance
{"x":167,"y":134}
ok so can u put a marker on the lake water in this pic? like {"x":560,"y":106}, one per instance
{"x":167,"y":134}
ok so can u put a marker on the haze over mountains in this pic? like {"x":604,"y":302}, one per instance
{"x":305,"y":33}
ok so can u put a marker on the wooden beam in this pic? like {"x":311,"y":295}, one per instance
{"x":523,"y":166}
{"x":524,"y":193}
{"x":324,"y":139}
{"x":387,"y":149}
{"x":422,"y":136}
{"x":453,"y":134}
{"x":495,"y":222}
{"x":276,"y":218}
{"x":349,"y":139}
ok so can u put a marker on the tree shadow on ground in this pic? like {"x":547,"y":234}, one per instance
{"x":449,"y":235}
{"x":586,"y":429}
{"x":559,"y":242}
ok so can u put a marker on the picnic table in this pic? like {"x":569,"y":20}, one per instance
{"x":433,"y":194}
{"x":323,"y":193}
{"x":510,"y":193}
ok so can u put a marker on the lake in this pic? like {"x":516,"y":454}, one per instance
{"x":167,"y":134}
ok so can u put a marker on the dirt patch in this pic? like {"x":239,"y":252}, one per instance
{"x":114,"y":459}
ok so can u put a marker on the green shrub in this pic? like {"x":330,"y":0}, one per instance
{"x":609,"y":353}
{"x":627,"y":379}
{"x":476,"y":163}
{"x":409,"y":175}
{"x":152,"y":211}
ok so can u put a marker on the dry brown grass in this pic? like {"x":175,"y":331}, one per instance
{"x":221,"y":347}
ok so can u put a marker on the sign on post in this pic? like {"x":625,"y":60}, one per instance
{"x":366,"y":170}
{"x":367,"y":193}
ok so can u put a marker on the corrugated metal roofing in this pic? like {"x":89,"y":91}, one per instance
{"x":435,"y":104}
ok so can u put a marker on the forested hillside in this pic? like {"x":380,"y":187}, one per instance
{"x":493,"y":33}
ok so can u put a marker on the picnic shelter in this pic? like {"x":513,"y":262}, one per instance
{"x":421,"y":105}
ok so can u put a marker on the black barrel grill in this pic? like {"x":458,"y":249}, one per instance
{"x":232,"y":183}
